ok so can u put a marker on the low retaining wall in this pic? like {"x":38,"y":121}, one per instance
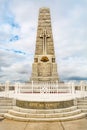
{"x":44,"y":105}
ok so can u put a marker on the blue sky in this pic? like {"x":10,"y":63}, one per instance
{"x":18,"y":27}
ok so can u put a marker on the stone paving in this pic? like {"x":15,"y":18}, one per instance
{"x":70,"y":125}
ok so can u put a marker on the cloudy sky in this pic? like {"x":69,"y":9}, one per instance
{"x":18,"y":26}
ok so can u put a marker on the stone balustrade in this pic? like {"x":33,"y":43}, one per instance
{"x":75,"y":89}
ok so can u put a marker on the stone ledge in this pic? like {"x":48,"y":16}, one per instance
{"x":75,"y":117}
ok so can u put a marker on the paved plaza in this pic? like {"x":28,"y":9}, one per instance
{"x":70,"y":125}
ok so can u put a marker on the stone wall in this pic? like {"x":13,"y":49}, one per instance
{"x":44,"y":105}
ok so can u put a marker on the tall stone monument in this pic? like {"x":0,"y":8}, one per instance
{"x":44,"y":67}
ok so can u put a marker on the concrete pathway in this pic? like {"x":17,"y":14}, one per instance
{"x":70,"y":125}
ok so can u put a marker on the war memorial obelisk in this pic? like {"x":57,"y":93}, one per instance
{"x":45,"y":100}
{"x":44,"y":67}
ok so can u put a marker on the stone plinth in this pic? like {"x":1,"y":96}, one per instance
{"x":44,"y":105}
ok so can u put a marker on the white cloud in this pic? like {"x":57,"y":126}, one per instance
{"x":69,"y":25}
{"x":73,"y":67}
{"x":14,"y":66}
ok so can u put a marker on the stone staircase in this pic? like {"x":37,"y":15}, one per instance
{"x":82,"y":104}
{"x":65,"y":114}
{"x":5,"y":105}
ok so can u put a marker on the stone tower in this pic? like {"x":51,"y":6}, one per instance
{"x":44,"y":67}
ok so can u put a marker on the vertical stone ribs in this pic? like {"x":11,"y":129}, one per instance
{"x":44,"y":25}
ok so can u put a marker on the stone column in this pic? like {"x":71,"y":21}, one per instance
{"x":32,"y":86}
{"x":17,"y":88}
{"x":73,"y":88}
{"x":82,"y":89}
{"x":7,"y":84}
{"x":57,"y":85}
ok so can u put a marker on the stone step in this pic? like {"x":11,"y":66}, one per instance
{"x":1,"y":114}
{"x":5,"y":104}
{"x":4,"y":110}
{"x":45,"y":111}
{"x":86,"y":97}
{"x":12,"y":117}
{"x":82,"y":107}
{"x":81,"y":100}
{"x":6,"y":107}
{"x":1,"y":101}
{"x":4,"y":100}
{"x":84,"y":110}
{"x":51,"y":115}
{"x":82,"y":103}
{"x":1,"y":118}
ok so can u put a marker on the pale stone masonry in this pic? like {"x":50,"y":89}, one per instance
{"x":44,"y":67}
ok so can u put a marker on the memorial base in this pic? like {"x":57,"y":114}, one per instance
{"x":44,"y":105}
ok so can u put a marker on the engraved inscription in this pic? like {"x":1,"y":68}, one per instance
{"x":44,"y":69}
